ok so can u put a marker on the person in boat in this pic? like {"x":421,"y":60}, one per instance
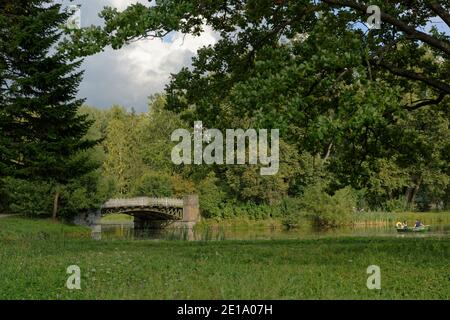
{"x":405,"y":225}
{"x":418,"y":224}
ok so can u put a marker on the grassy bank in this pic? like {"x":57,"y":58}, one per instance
{"x":33,"y":267}
{"x":410,"y":217}
{"x":17,"y":228}
{"x":360,"y":218}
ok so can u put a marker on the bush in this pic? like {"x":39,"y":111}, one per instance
{"x":395,"y":205}
{"x":210,"y":197}
{"x":325,"y":210}
{"x":3,"y":198}
{"x":446,"y":199}
{"x":27,"y":197}
{"x":87,"y":193}
{"x":181,"y":186}
{"x":35,"y":198}
{"x":291,"y":210}
{"x":430,"y":197}
{"x":235,"y":209}
{"x":153,"y":185}
{"x":228,"y":210}
{"x":257,"y":212}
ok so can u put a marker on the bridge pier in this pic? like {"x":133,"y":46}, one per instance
{"x":90,"y":219}
{"x":191,"y":209}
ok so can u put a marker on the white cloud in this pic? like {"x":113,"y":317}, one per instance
{"x":152,"y":61}
{"x":129,"y":75}
{"x":122,"y":4}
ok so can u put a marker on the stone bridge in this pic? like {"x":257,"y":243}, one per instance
{"x":150,"y":212}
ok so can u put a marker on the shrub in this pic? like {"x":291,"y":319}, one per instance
{"x":3,"y":198}
{"x":153,"y":185}
{"x":181,"y":186}
{"x":35,"y":198}
{"x":395,"y":205}
{"x":28,"y":197}
{"x":291,"y":210}
{"x":325,"y":210}
{"x":85,"y":194}
{"x":210,"y":197}
{"x":235,"y":209}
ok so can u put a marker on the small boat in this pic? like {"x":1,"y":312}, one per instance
{"x":419,"y":229}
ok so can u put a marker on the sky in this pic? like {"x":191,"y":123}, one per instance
{"x":130,"y":75}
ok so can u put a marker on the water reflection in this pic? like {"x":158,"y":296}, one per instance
{"x":127,"y":232}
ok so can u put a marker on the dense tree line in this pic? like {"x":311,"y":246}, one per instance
{"x":135,"y":152}
{"x":363,"y":115}
{"x":371,"y":106}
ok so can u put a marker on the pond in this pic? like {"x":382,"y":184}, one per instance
{"x":127,"y":232}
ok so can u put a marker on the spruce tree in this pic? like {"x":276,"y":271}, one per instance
{"x":42,"y":133}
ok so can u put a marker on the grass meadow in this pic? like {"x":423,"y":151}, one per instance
{"x":34,"y":256}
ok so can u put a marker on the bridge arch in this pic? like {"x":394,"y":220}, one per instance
{"x":156,"y":211}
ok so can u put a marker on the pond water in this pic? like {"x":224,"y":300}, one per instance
{"x":127,"y":232}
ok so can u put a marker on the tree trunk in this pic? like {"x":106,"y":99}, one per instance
{"x":412,"y":191}
{"x":330,"y":147}
{"x":415,"y":191}
{"x":55,"y":204}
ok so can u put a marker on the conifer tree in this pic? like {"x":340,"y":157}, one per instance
{"x":42,"y":135}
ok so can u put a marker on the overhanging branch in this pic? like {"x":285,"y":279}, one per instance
{"x":439,"y":85}
{"x":439,"y":10}
{"x":422,"y":103}
{"x":411,"y":32}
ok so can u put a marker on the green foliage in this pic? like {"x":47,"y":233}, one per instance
{"x":31,"y":198}
{"x":395,"y":205}
{"x":44,"y":141}
{"x":38,"y":106}
{"x":249,"y":27}
{"x":446,"y":199}
{"x":152,"y":185}
{"x":27,"y":197}
{"x":4,"y":197}
{"x":293,"y":215}
{"x":156,"y":129}
{"x":234,"y":209}
{"x":136,"y":160}
{"x":211,"y":197}
{"x":365,"y":111}
{"x":323,"y":209}
{"x":87,"y":193}
{"x":122,"y":161}
{"x":247,"y":183}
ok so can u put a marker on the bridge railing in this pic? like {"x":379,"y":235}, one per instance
{"x":144,"y":202}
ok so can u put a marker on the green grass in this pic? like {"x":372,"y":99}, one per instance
{"x":20,"y":228}
{"x":335,"y":268}
{"x":386,"y":218}
{"x":362,"y":218}
{"x":392,"y":217}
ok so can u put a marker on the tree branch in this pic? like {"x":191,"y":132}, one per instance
{"x":427,"y":102}
{"x":411,"y":32}
{"x":441,"y":86}
{"x":330,"y":147}
{"x":439,"y":10}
